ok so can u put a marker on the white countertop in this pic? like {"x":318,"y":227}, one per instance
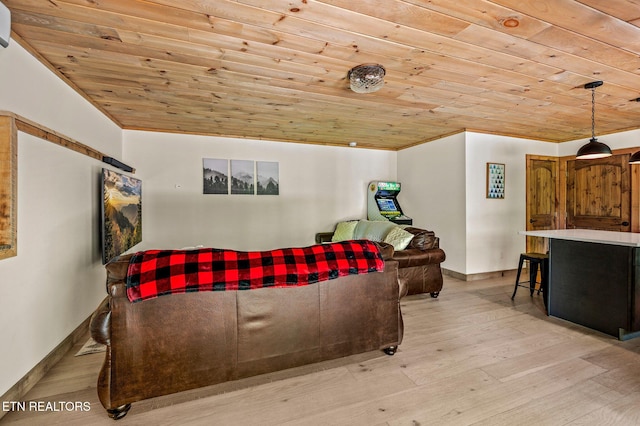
{"x":589,"y":235}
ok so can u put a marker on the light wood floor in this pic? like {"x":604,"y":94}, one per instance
{"x":470,"y":357}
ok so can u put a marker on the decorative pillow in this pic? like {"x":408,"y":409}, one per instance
{"x":398,"y":238}
{"x":344,"y":231}
{"x":374,"y":230}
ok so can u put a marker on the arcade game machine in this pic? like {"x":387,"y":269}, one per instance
{"x":382,"y":203}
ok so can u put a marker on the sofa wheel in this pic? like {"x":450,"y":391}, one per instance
{"x":119,"y":412}
{"x":435,"y":294}
{"x":390,"y":350}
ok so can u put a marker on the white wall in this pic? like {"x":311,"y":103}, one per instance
{"x":319,"y":186}
{"x":57,"y":279}
{"x":434,"y":194}
{"x":444,"y":189}
{"x":492,"y":225}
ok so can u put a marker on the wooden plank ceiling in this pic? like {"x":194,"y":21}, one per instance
{"x":277,"y":70}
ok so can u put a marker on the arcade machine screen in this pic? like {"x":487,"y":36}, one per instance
{"x":383,"y":203}
{"x":387,"y":205}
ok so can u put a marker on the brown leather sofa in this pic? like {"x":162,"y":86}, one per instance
{"x":184,"y":341}
{"x":419,"y":263}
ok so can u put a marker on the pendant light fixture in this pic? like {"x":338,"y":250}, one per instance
{"x":635,"y":158}
{"x":593,"y":149}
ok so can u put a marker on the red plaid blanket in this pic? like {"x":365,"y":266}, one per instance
{"x":154,"y":273}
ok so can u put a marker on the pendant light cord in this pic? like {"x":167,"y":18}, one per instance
{"x":593,"y":113}
{"x":593,"y":148}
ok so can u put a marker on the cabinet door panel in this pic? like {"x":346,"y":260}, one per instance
{"x":598,"y":194}
{"x":542,"y":199}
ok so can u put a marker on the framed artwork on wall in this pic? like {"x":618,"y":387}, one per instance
{"x":495,"y":181}
{"x":242,"y":177}
{"x":121,"y":208}
{"x":267,"y":178}
{"x":215,"y":175}
{"x":249,"y":177}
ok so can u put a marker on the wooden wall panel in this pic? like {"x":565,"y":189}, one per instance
{"x":8,"y":187}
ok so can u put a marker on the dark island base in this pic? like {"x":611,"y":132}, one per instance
{"x":595,"y":285}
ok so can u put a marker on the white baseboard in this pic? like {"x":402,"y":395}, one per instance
{"x":480,"y":276}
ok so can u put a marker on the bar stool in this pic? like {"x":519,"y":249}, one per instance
{"x":536,"y":260}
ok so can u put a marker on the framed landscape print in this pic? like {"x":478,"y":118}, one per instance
{"x":495,"y":180}
{"x":215,"y":175}
{"x":249,"y":177}
{"x":242,"y":177}
{"x":121,"y":207}
{"x":267,"y":178}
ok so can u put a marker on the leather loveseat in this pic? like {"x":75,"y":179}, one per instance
{"x":177,"y":342}
{"x":417,"y":250}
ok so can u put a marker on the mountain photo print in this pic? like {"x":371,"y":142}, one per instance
{"x":215,"y":174}
{"x":121,"y":213}
{"x":267,"y":179}
{"x":242,"y":177}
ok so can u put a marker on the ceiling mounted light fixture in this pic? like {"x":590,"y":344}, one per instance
{"x":366,"y":78}
{"x":593,"y":149}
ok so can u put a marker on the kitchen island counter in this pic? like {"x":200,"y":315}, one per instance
{"x":594,"y":279}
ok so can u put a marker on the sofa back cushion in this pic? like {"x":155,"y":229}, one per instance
{"x":374,"y":230}
{"x":378,"y":230}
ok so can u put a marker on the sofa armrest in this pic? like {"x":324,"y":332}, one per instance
{"x":100,"y":324}
{"x":423,"y":239}
{"x":415,"y":257}
{"x":324,"y":237}
{"x":386,"y":250}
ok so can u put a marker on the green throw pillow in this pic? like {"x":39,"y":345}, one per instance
{"x":344,"y":231}
{"x":374,"y":230}
{"x":398,"y":238}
